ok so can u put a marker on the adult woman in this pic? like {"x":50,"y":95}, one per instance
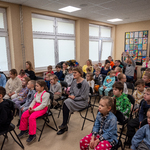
{"x":146,"y":63}
{"x":129,"y":63}
{"x":78,"y":98}
{"x":29,"y":71}
{"x":88,"y":64}
{"x":106,"y":68}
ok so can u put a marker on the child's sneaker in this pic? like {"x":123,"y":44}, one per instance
{"x":23,"y":134}
{"x":31,"y":138}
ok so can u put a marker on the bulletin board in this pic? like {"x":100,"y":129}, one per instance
{"x":136,"y":43}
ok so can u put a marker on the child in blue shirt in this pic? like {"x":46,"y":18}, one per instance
{"x":108,"y":83}
{"x":2,"y":80}
{"x":143,"y":134}
{"x":59,"y":73}
{"x":104,"y":133}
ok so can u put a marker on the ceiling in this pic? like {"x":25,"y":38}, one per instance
{"x":99,"y":10}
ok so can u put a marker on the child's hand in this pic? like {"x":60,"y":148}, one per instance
{"x":9,"y":94}
{"x":22,"y":108}
{"x":96,"y":142}
{"x":92,"y":143}
{"x":12,"y":93}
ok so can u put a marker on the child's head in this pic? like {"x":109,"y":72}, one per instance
{"x":140,"y":84}
{"x":89,"y":69}
{"x":112,"y":73}
{"x":25,"y":81}
{"x":95,"y":66}
{"x":117,"y":69}
{"x":106,"y":105}
{"x":118,"y":88}
{"x":53,"y":79}
{"x":49,"y":68}
{"x":70,"y":70}
{"x":110,"y":58}
{"x":41,"y":85}
{"x":89,"y":76}
{"x":122,"y":77}
{"x":2,"y":92}
{"x":29,"y":65}
{"x":22,"y":72}
{"x":65,"y":65}
{"x":147,"y":95}
{"x":58,"y":68}
{"x":97,"y":71}
{"x":47,"y":77}
{"x":148,"y":116}
{"x":31,"y":84}
{"x":147,"y":70}
{"x":13,"y":73}
{"x":128,"y":60}
{"x":146,"y":77}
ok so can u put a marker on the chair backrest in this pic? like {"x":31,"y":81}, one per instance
{"x":120,"y":117}
{"x":131,"y":98}
{"x":64,"y":84}
{"x":4,"y":75}
{"x":130,"y":86}
{"x":104,"y":76}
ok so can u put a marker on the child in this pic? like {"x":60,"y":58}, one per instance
{"x":104,"y":133}
{"x":146,"y":78}
{"x":22,"y":74}
{"x":139,"y":93}
{"x":146,"y":71}
{"x":37,"y":108}
{"x":2,"y":80}
{"x":98,"y":77}
{"x":22,"y":94}
{"x":95,"y":67}
{"x":69,"y":77}
{"x":122,"y":78}
{"x":118,"y":71}
{"x":143,"y":134}
{"x":136,"y":122}
{"x":122,"y":102}
{"x":6,"y":108}
{"x":89,"y":69}
{"x":59,"y":73}
{"x":89,"y":79}
{"x":47,"y":80}
{"x":55,"y":88}
{"x":107,"y":84}
{"x":13,"y":85}
{"x":49,"y":70}
{"x":65,"y":69}
{"x":28,"y":99}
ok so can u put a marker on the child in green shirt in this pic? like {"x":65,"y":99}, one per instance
{"x":122,"y":102}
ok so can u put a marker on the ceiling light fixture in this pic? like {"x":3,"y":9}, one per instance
{"x":115,"y":20}
{"x":70,"y":9}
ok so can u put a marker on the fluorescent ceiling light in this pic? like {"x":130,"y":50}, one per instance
{"x":70,"y":9}
{"x":115,"y":20}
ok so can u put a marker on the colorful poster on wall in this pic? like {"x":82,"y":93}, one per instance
{"x":136,"y":43}
{"x":143,"y":58}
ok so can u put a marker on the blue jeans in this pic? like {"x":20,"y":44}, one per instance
{"x":129,"y":78}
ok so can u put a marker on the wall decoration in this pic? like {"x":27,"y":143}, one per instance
{"x":136,"y":43}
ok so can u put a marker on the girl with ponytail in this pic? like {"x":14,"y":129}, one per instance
{"x":37,"y":108}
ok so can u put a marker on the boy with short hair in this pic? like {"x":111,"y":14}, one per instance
{"x":146,"y":71}
{"x":139,"y":93}
{"x":107,"y":84}
{"x":6,"y":108}
{"x":143,"y":134}
{"x":59,"y":73}
{"x":49,"y":70}
{"x":98,"y":79}
{"x":146,"y":78}
{"x":69,"y":77}
{"x":136,"y":122}
{"x":122,"y":102}
{"x":47,"y":80}
{"x":122,"y":78}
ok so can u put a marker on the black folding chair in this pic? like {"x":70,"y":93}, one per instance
{"x":132,"y":101}
{"x":130,"y":86}
{"x":64,"y":95}
{"x":85,"y":117}
{"x":10,"y":129}
{"x":142,"y":71}
{"x":46,"y":119}
{"x":39,"y":78}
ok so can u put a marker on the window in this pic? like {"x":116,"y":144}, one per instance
{"x":100,"y":43}
{"x":53,"y":40}
{"x":4,"y":48}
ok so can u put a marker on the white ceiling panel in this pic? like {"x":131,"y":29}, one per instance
{"x":100,"y":10}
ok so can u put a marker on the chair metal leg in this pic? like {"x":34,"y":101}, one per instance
{"x":19,"y":143}
{"x":84,"y":118}
{"x":59,"y":112}
{"x":54,"y":123}
{"x":3,"y":142}
{"x":42,"y":131}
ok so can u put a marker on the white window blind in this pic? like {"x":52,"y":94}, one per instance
{"x":94,"y":31}
{"x":106,"y":32}
{"x":53,"y":39}
{"x":1,"y":20}
{"x":94,"y":50}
